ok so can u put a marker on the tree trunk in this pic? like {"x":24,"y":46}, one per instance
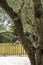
{"x":19,"y":28}
{"x":38,"y":29}
{"x":25,"y":43}
{"x":38,"y":57}
{"x":32,"y":58}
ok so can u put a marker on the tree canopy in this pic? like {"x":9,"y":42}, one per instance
{"x":27,"y":16}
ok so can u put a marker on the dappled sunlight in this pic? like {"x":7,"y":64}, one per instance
{"x":6,"y":22}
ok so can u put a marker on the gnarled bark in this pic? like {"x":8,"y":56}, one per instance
{"x":38,"y":28}
{"x":19,"y":28}
{"x":18,"y":24}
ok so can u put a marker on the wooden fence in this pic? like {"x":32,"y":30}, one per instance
{"x":12,"y":49}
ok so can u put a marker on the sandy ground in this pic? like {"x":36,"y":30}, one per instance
{"x":14,"y":60}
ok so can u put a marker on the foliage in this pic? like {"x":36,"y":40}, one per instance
{"x":7,"y":25}
{"x":27,"y":17}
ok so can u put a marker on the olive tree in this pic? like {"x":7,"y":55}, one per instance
{"x":34,"y":53}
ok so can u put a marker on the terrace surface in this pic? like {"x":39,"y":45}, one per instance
{"x":14,"y":60}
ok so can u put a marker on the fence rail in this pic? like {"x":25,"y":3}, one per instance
{"x":12,"y":49}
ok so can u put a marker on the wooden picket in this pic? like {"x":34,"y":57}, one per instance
{"x":12,"y":49}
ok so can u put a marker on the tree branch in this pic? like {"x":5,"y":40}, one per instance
{"x":18,"y":25}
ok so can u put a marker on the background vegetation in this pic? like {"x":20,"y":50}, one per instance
{"x":7,"y":30}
